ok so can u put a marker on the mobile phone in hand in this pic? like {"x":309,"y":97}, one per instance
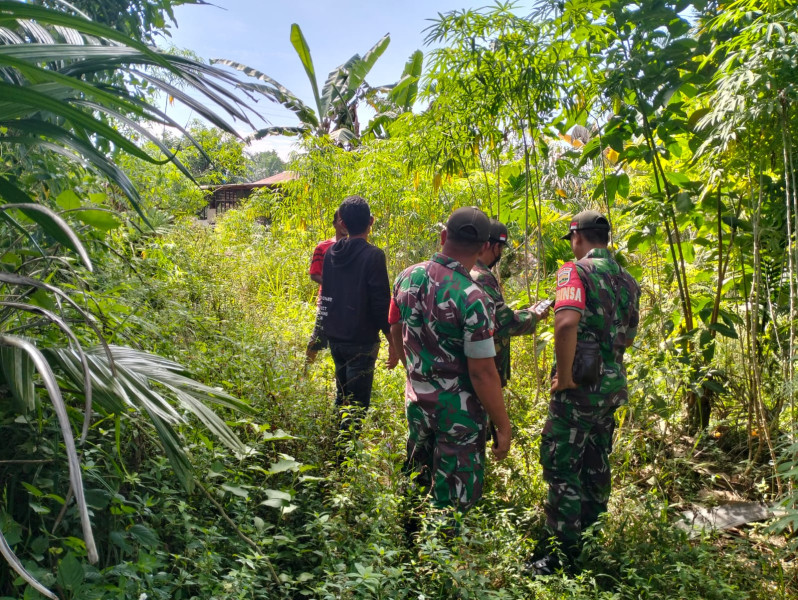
{"x":544,"y":304}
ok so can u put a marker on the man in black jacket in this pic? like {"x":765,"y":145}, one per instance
{"x":354,"y":309}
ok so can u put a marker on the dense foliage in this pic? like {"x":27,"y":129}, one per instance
{"x":675,"y":118}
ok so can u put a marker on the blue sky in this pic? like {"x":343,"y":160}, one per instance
{"x":256,"y":33}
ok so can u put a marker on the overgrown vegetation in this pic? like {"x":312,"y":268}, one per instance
{"x":675,"y":118}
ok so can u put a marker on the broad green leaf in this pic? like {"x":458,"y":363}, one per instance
{"x":235,"y":490}
{"x":276,"y":436}
{"x":99,"y":218}
{"x":684,"y":203}
{"x":42,"y":299}
{"x":118,"y":539}
{"x":32,"y":489}
{"x":623,"y":185}
{"x":67,"y":200}
{"x":714,"y":386}
{"x":286,"y":463}
{"x":70,"y":573}
{"x":278,"y":494}
{"x":144,"y":535}
{"x":10,"y":528}
{"x":696,"y":116}
{"x":39,"y":509}
{"x":725,"y":330}
{"x":678,"y":179}
{"x":360,"y":69}
{"x":303,"y":51}
{"x":707,"y":345}
{"x":634,"y":241}
{"x":688,"y":251}
{"x":274,"y":503}
{"x":405,"y":92}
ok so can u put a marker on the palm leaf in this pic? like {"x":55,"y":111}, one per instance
{"x":303,"y":51}
{"x":336,"y":87}
{"x":362,"y":68}
{"x":277,"y":130}
{"x":21,"y":280}
{"x":18,"y":372}
{"x":133,"y":386}
{"x":15,"y":563}
{"x":11,"y":12}
{"x":54,"y":226}
{"x":84,"y":153}
{"x":405,"y":92}
{"x":28,"y":100}
{"x":273,"y":90}
{"x":342,"y":135}
{"x":75,"y":478}
{"x":84,"y":363}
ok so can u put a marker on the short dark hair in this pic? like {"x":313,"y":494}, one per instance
{"x":596,"y":236}
{"x":468,"y":248}
{"x":355,"y":213}
{"x":336,"y":216}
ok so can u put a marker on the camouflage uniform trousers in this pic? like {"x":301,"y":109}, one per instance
{"x":574,"y":451}
{"x":446,"y":447}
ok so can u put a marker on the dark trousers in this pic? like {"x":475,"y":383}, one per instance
{"x":354,"y":376}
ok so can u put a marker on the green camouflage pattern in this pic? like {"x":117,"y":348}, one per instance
{"x":577,"y":438}
{"x":506,"y":321}
{"x":446,"y":447}
{"x":604,"y":279}
{"x":574,"y":452}
{"x":441,"y":309}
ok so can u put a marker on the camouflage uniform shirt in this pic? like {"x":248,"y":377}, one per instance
{"x":598,"y":287}
{"x":506,"y":321}
{"x":446,"y":318}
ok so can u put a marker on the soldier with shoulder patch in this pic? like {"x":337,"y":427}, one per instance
{"x":443,"y":322}
{"x":596,"y":314}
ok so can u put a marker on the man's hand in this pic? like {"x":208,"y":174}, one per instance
{"x":501,"y":445}
{"x":396,"y":350}
{"x":559,"y":384}
{"x":393,"y":357}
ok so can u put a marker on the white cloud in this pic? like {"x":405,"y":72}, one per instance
{"x":283,"y":145}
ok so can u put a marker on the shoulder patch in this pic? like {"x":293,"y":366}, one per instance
{"x":564,"y":276}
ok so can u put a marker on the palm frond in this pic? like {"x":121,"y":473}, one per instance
{"x":137,"y":384}
{"x":53,"y":391}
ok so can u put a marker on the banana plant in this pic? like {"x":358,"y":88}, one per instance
{"x":335,"y":112}
{"x":72,"y":88}
{"x":399,"y":97}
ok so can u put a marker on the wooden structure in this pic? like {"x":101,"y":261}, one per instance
{"x":222,"y":198}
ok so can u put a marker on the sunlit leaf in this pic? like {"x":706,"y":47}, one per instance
{"x":99,"y":218}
